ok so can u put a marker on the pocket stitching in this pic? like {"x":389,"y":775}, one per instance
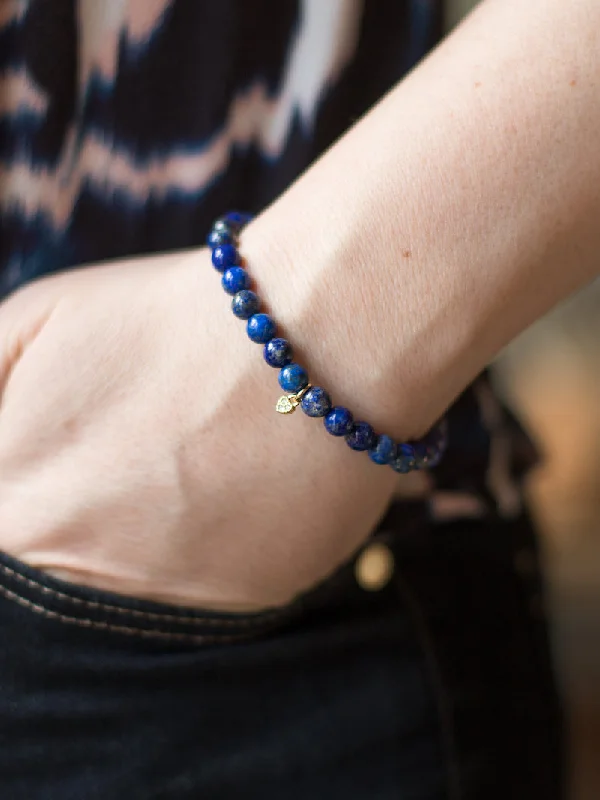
{"x":84,"y":622}
{"x":148,"y":615}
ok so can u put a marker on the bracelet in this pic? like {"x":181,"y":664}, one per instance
{"x":313,"y":400}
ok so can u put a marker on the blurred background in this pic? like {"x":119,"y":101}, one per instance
{"x":551,"y":378}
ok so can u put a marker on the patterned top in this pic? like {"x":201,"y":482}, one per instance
{"x":126,"y":126}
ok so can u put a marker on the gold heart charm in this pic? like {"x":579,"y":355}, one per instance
{"x":285,"y":405}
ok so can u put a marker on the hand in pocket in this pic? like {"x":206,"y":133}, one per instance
{"x":140,"y":452}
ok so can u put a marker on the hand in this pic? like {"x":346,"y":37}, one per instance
{"x":140,"y":450}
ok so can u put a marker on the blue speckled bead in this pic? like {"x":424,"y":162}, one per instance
{"x":245,"y":304}
{"x":339,"y":421}
{"x":405,"y":459}
{"x":278,"y":352}
{"x":361,"y":436}
{"x":235,"y":279}
{"x":422,"y":454}
{"x":222,"y":226}
{"x":438,"y":436}
{"x":316,"y":402}
{"x":384,"y":451}
{"x":219,"y":237}
{"x":236,"y":220}
{"x":225,"y":255}
{"x":292,"y":378}
{"x":434,"y":456}
{"x":260,"y":328}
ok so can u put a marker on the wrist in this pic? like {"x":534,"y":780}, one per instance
{"x":361,"y":341}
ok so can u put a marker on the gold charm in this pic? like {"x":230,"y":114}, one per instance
{"x":288,"y":403}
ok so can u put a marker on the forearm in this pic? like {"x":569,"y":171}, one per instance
{"x":453,"y":215}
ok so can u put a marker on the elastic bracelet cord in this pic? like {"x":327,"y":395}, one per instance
{"x":314,"y":401}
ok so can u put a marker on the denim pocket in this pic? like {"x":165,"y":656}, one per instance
{"x":331,"y":703}
{"x":70,"y":604}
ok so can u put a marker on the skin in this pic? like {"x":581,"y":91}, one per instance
{"x":139,"y":448}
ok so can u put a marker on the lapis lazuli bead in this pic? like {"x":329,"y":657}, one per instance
{"x":438,"y":437}
{"x":222,"y":226}
{"x":422,"y":454}
{"x":245,"y":304}
{"x":339,"y":421}
{"x":384,"y":451}
{"x":405,"y":459}
{"x":361,"y":436}
{"x":278,"y":352}
{"x":260,"y":328}
{"x":316,"y":402}
{"x":293,"y":378}
{"x":236,"y":220}
{"x":235,"y":279}
{"x":225,"y":255}
{"x":434,"y":456}
{"x":217,"y":238}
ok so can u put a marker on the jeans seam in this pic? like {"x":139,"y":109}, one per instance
{"x":85,"y":622}
{"x":454,"y":782}
{"x":191,"y":619}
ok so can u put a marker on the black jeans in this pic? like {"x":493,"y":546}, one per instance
{"x":439,"y":685}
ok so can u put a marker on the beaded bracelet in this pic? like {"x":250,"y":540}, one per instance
{"x":313,"y":400}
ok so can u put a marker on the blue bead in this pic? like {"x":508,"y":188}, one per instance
{"x":235,"y":279}
{"x":316,"y":402}
{"x":219,"y":237}
{"x":361,"y":436}
{"x":236,"y":220}
{"x":405,"y":459}
{"x":293,"y":378}
{"x":339,"y":421}
{"x":384,"y":450}
{"x":260,"y":328}
{"x":422,"y":453}
{"x":438,"y":436}
{"x":245,"y":304}
{"x":434,"y":456}
{"x":221,"y":226}
{"x":225,"y":255}
{"x":278,"y":352}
